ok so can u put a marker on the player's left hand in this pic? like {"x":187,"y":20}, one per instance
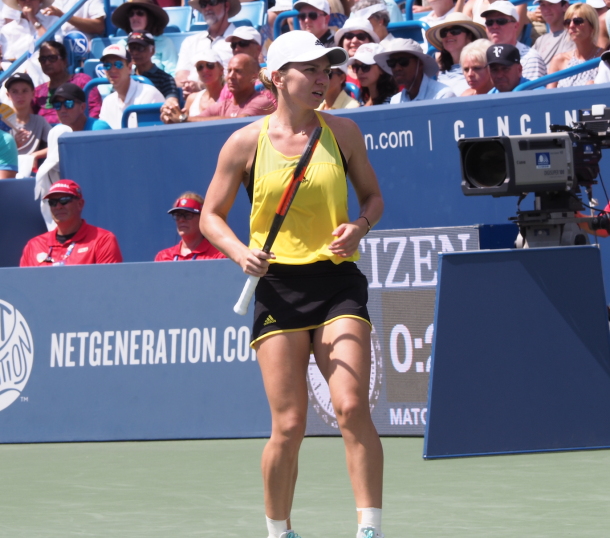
{"x":348,"y":238}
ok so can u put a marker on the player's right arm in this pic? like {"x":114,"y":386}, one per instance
{"x":234,"y":163}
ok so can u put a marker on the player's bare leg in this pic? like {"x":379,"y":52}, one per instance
{"x":283,"y":360}
{"x":343,"y":354}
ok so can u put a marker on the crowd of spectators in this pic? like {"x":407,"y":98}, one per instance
{"x":472,"y":47}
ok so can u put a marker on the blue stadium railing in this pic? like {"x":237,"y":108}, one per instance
{"x":555,"y":77}
{"x":48,"y":35}
{"x":279,"y":22}
{"x":148,"y":115}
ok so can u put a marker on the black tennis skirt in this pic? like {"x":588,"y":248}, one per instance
{"x":304,"y":297}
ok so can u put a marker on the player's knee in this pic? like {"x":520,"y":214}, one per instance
{"x":290,"y":430}
{"x":352,"y":411}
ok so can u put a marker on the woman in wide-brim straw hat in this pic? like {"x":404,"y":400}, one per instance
{"x":147,"y":16}
{"x":311,"y":293}
{"x":449,"y":38}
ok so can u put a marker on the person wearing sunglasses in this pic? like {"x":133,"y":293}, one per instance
{"x":502,"y":22}
{"x":186,"y":212}
{"x":473,"y":61}
{"x":556,"y":40}
{"x":53,"y":59}
{"x":314,"y":16}
{"x":141,"y":47}
{"x":68,"y":101}
{"x":211,"y":75}
{"x":376,"y":83}
{"x":18,"y":36}
{"x":450,"y":37}
{"x":89,"y":18}
{"x":336,"y":96}
{"x":216,"y":14}
{"x":32,"y":130}
{"x":146,"y":16}
{"x":582,"y":24}
{"x":72,"y":241}
{"x":413,"y":70}
{"x":246,"y":40}
{"x":116,"y":61}
{"x":355,"y":32}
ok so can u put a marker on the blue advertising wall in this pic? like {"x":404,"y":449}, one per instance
{"x":155,"y":351}
{"x":131,"y":178}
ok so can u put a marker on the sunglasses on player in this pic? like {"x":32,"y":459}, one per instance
{"x":500,"y":22}
{"x":207,"y":65}
{"x":205,"y":3}
{"x":403,"y":61}
{"x":454,"y":30}
{"x":64,"y":200}
{"x":360,"y":36}
{"x":68,"y":103}
{"x":240,"y":44}
{"x":185,"y":215}
{"x":576,"y":20}
{"x":119,"y":64}
{"x":312,"y":16}
{"x":361,"y":67}
{"x":137,"y":13}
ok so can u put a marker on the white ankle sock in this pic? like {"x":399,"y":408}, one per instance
{"x":371,"y":517}
{"x":276,"y":527}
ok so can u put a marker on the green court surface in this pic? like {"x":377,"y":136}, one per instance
{"x":214,"y":489}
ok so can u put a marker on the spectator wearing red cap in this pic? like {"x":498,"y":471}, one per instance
{"x":74,"y":242}
{"x":193,"y":246}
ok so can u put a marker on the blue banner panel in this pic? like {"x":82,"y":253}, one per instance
{"x":521,"y":353}
{"x":133,"y":351}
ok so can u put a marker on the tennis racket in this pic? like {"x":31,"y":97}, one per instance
{"x":7,"y":115}
{"x":241,"y":307}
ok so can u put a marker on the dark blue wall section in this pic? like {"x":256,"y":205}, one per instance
{"x":20,"y":219}
{"x":521,"y":360}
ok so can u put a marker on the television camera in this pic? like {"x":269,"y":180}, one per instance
{"x":554,"y":166}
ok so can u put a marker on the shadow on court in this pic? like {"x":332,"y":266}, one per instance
{"x":213,"y":489}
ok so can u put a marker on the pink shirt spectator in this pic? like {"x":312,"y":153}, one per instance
{"x":258,"y":105}
{"x":42,"y":107}
{"x":226,"y":95}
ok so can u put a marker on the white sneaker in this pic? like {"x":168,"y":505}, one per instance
{"x":289,"y":534}
{"x":369,"y":532}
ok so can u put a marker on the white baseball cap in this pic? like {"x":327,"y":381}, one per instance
{"x":281,"y":5}
{"x":322,"y":5}
{"x":597,"y":4}
{"x":502,"y":6}
{"x":411,"y":47}
{"x":208,"y":55}
{"x":116,"y":50}
{"x":549,"y":1}
{"x":300,"y":46}
{"x":366,"y":55}
{"x":245,"y":33}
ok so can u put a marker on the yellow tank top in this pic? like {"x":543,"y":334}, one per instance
{"x":319,"y":206}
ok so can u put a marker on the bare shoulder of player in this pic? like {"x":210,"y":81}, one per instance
{"x":242,"y":143}
{"x":346,"y":132}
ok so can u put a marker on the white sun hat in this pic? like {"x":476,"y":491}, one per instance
{"x":357,"y":23}
{"x":300,"y":46}
{"x":366,"y":55}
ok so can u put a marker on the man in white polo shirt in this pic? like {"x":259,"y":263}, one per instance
{"x":502,"y":22}
{"x":117,"y":63}
{"x":216,"y":14}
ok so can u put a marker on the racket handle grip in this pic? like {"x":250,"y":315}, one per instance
{"x":241,"y":307}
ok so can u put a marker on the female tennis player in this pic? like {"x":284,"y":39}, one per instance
{"x":311,"y":294}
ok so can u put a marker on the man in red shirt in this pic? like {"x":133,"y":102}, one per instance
{"x":193,"y":246}
{"x":74,"y":242}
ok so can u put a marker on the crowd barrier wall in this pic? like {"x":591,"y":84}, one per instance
{"x":155,"y":351}
{"x":521,"y":361}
